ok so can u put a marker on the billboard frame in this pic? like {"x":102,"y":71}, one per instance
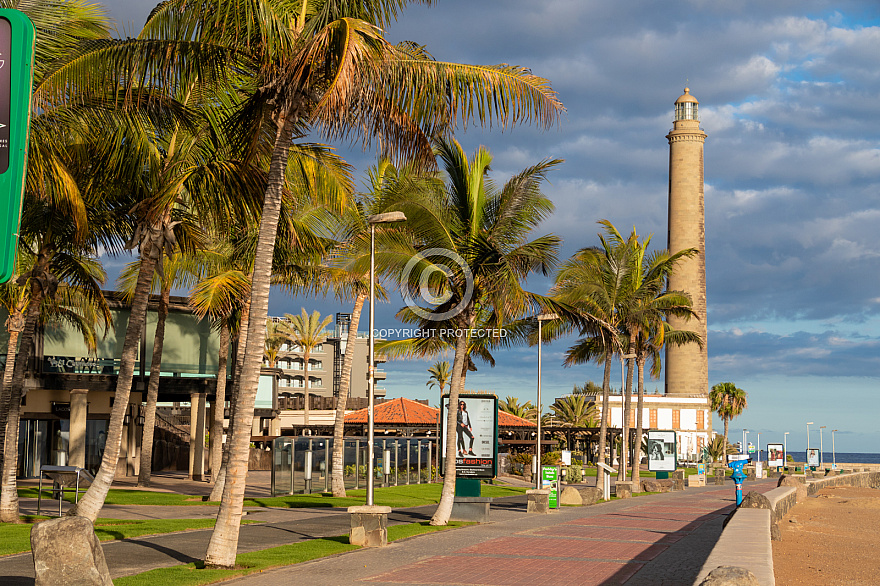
{"x":485,"y":408}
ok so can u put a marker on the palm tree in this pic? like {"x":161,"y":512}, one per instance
{"x":574,"y":411}
{"x":326,"y":68}
{"x":486,"y":231}
{"x":276,"y":336}
{"x":307,"y":332}
{"x":728,"y":402}
{"x":514,"y":407}
{"x":439,"y":375}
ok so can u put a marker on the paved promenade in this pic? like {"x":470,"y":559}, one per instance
{"x":654,"y":540}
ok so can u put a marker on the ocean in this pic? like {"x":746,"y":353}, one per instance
{"x":839,"y":457}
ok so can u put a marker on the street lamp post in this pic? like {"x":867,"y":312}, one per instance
{"x":809,"y":423}
{"x":541,"y":319}
{"x":821,"y":458}
{"x":745,"y":445}
{"x":759,"y":447}
{"x":385,"y":218}
{"x":833,"y":454}
{"x":785,"y":448}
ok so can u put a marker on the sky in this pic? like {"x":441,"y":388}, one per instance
{"x":789,"y":95}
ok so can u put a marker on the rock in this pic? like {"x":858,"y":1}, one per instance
{"x":538,"y":500}
{"x":67,"y":552}
{"x":652,"y":486}
{"x":750,"y":474}
{"x":730,"y":576}
{"x":571,"y":496}
{"x":677,"y":475}
{"x":623,"y":490}
{"x":798,"y":483}
{"x":678,"y":484}
{"x":755,"y":500}
{"x":719,"y":480}
{"x":590,"y":496}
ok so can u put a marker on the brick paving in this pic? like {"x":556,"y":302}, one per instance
{"x":643,"y":544}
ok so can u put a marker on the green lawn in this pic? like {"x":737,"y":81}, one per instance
{"x":411,"y":495}
{"x":257,"y":561}
{"x":16,"y":538}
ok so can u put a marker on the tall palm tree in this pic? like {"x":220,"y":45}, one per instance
{"x":325,"y":67}
{"x":307,"y":331}
{"x":276,"y":336}
{"x":487,"y":231}
{"x":728,"y":401}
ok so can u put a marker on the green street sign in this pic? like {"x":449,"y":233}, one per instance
{"x":16,"y":79}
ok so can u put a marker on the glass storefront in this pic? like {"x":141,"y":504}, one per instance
{"x":46,"y":442}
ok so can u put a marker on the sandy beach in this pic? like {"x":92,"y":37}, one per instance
{"x":833,"y":538}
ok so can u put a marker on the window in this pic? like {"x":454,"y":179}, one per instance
{"x":700,"y":416}
{"x":316,"y":382}
{"x":652,"y":418}
{"x":676,"y":419}
{"x":316,"y":365}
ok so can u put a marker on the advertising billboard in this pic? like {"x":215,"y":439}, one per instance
{"x":661,"y":451}
{"x":476,"y":435}
{"x":813,"y":457}
{"x":775,"y":455}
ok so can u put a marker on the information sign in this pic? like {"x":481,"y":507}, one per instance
{"x":775,"y":455}
{"x":16,"y":78}
{"x":550,"y":479}
{"x":476,"y":431}
{"x":661,"y":451}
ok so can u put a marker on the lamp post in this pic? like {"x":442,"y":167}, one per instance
{"x":809,"y":423}
{"x":759,"y":447}
{"x":821,"y":458}
{"x":745,"y":445}
{"x":785,"y":449}
{"x":541,"y":319}
{"x":386,"y":218}
{"x":833,"y":455}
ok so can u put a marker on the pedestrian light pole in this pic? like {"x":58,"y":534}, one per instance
{"x":833,"y":455}
{"x":386,"y":218}
{"x":785,"y":448}
{"x":809,"y":423}
{"x":821,"y":457}
{"x":541,"y":319}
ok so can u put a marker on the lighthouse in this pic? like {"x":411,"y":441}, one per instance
{"x":687,"y":367}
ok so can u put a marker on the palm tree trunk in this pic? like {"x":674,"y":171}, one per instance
{"x":220,"y":485}
{"x":603,"y":425}
{"x":459,"y":364}
{"x":306,"y":356}
{"x":14,"y":326}
{"x":637,"y":458}
{"x":15,"y":384}
{"x":224,"y":540}
{"x":93,"y":500}
{"x":337,"y":476}
{"x":219,"y":403}
{"x":726,"y":441}
{"x":146,"y":468}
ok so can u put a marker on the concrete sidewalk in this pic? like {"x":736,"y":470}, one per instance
{"x":651,"y":540}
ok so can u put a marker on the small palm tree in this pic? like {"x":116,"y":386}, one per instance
{"x":277,"y":335}
{"x":440,"y":375}
{"x":728,"y":402}
{"x":575,"y":411}
{"x":514,"y":407}
{"x":306,"y":331}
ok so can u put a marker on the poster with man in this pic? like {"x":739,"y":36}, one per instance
{"x":775,"y":455}
{"x":476,"y":435}
{"x":661,"y":451}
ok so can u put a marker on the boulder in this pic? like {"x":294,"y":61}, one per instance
{"x":571,"y":496}
{"x":796,"y":481}
{"x":677,"y":474}
{"x":590,"y":495}
{"x":719,"y":479}
{"x":750,"y":474}
{"x":678,"y":484}
{"x":66,"y":551}
{"x":730,"y":576}
{"x":755,"y":500}
{"x":652,"y":486}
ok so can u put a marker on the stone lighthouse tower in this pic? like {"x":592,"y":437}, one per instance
{"x":687,"y":367}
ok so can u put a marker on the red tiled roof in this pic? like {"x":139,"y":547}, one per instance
{"x":408,"y":413}
{"x":506,"y":419}
{"x":402,"y":412}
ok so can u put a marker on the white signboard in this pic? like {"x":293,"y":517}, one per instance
{"x":566,"y":457}
{"x":775,"y":455}
{"x":813,"y":457}
{"x":661,"y":451}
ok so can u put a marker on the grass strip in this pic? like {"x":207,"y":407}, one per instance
{"x":16,"y":538}
{"x":258,"y":561}
{"x":411,"y":495}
